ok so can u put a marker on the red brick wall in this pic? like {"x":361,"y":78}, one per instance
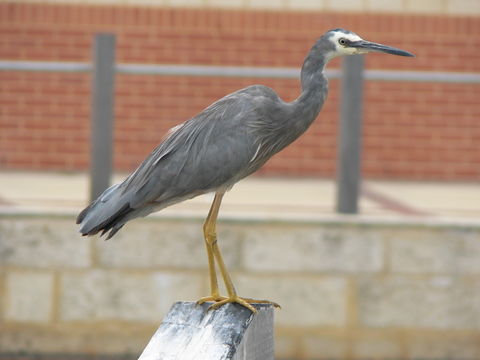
{"x":412,"y":130}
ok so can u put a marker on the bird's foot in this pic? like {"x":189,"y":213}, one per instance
{"x":215,"y":298}
{"x":222,"y":300}
{"x":233,"y":299}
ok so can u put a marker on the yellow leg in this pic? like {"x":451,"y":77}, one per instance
{"x":214,"y":254}
{"x":210,"y":236}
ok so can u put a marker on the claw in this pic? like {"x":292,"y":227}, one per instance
{"x":214,"y":298}
{"x":222,"y":300}
{"x":233,"y":299}
{"x":255,"y":301}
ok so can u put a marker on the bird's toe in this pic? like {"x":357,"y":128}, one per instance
{"x":233,"y":299}
{"x":214,"y":298}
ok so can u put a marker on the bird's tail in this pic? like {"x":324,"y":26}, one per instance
{"x":106,"y":214}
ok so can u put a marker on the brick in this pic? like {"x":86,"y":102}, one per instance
{"x":29,"y":297}
{"x":314,"y":249}
{"x":431,"y":302}
{"x":251,"y":38}
{"x":34,"y":243}
{"x":322,"y":299}
{"x":120,"y":295}
{"x":452,"y":252}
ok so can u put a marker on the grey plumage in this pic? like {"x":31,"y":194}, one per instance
{"x":229,"y":140}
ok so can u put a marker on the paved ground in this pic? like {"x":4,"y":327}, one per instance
{"x":259,"y":197}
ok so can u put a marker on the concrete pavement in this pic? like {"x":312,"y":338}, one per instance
{"x":257,"y":197}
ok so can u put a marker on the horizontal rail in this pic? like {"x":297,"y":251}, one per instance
{"x":45,"y":66}
{"x":422,"y":76}
{"x":239,"y":71}
{"x":203,"y":70}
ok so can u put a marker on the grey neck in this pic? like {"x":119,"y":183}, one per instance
{"x":314,"y":83}
{"x":312,"y":69}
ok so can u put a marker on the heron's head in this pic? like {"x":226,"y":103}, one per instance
{"x":344,"y":42}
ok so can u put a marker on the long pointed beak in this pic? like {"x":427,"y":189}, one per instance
{"x":367,"y":46}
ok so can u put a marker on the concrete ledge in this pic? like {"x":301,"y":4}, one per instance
{"x":326,"y":219}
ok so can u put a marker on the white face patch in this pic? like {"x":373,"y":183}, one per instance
{"x":339,"y":48}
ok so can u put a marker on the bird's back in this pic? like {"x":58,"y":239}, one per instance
{"x":209,"y":152}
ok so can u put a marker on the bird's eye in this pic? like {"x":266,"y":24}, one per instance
{"x":342,"y":41}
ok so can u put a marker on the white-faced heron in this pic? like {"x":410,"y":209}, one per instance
{"x":229,"y":140}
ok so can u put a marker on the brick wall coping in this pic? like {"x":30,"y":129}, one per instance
{"x":446,"y":7}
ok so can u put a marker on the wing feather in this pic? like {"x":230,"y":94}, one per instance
{"x":211,"y":150}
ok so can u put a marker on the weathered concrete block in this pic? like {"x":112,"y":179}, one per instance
{"x":88,"y":340}
{"x":147,"y":244}
{"x":313,"y":249}
{"x":28,"y":296}
{"x":434,"y":302}
{"x":312,"y":301}
{"x":42,"y":243}
{"x":436,"y":252}
{"x":116,"y":295}
{"x":434,"y":347}
{"x":377,"y":348}
{"x":429,"y":307}
{"x":323,"y":347}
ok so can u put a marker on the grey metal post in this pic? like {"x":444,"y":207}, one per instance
{"x":232,"y":332}
{"x":350,"y":134}
{"x":103,"y":73}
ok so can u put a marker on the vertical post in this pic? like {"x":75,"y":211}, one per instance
{"x":101,"y":155}
{"x":232,"y":332}
{"x":350,"y":134}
